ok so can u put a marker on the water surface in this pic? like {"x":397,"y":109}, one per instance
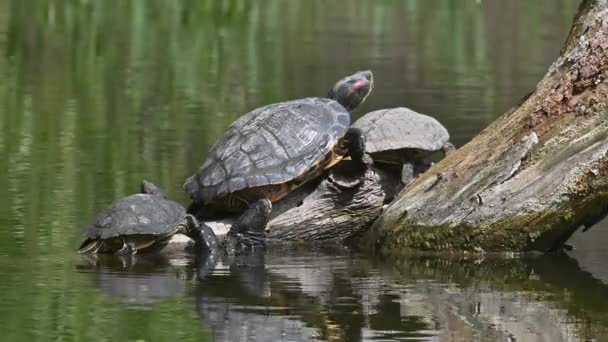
{"x":96,"y":95}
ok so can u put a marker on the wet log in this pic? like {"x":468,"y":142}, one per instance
{"x":531,"y":178}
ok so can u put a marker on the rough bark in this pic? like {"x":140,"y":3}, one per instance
{"x":333,"y":211}
{"x":530,"y":179}
{"x":342,"y":205}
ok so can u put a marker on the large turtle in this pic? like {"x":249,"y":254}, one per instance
{"x":138,"y":223}
{"x":402,"y":139}
{"x":274,"y":149}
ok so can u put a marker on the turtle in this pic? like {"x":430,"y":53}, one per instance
{"x":403,"y":140}
{"x":147,"y":222}
{"x":272,"y":150}
{"x":138,"y":223}
{"x":165,"y":277}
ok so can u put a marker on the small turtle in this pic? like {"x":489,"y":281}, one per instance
{"x":147,"y":222}
{"x":138,"y":223}
{"x":399,"y":138}
{"x":274,"y":149}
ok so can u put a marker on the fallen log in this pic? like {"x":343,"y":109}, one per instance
{"x":340,"y":205}
{"x":530,"y":179}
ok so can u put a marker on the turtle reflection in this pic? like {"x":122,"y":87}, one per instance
{"x":139,"y":280}
{"x":329,"y":295}
{"x":333,"y":295}
{"x":275,"y":297}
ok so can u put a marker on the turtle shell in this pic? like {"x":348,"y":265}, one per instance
{"x":138,"y":214}
{"x":269,"y":145}
{"x":401,"y":128}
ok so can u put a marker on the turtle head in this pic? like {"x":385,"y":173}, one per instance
{"x":150,"y":189}
{"x":352,"y":90}
{"x":200,"y":232}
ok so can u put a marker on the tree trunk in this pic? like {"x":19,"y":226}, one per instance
{"x":530,"y":179}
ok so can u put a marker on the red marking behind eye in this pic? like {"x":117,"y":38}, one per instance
{"x":359,"y":85}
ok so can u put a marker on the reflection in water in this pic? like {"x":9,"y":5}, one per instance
{"x":330,"y":294}
{"x":138,"y":280}
{"x":590,"y":249}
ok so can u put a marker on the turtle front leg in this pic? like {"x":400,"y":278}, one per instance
{"x":249,"y":230}
{"x":407,"y":173}
{"x":128,"y":248}
{"x":354,"y":141}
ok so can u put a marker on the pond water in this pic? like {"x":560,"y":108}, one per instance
{"x":97,"y":95}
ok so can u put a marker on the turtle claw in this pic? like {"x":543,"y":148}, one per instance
{"x":131,"y":250}
{"x":128,"y":248}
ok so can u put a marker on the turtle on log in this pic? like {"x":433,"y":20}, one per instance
{"x":272,"y":150}
{"x":403,"y":140}
{"x":147,"y":222}
{"x":138,"y":223}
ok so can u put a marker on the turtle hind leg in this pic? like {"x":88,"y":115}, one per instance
{"x":254,"y":219}
{"x":90,"y":247}
{"x":249,"y":230}
{"x":354,"y":141}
